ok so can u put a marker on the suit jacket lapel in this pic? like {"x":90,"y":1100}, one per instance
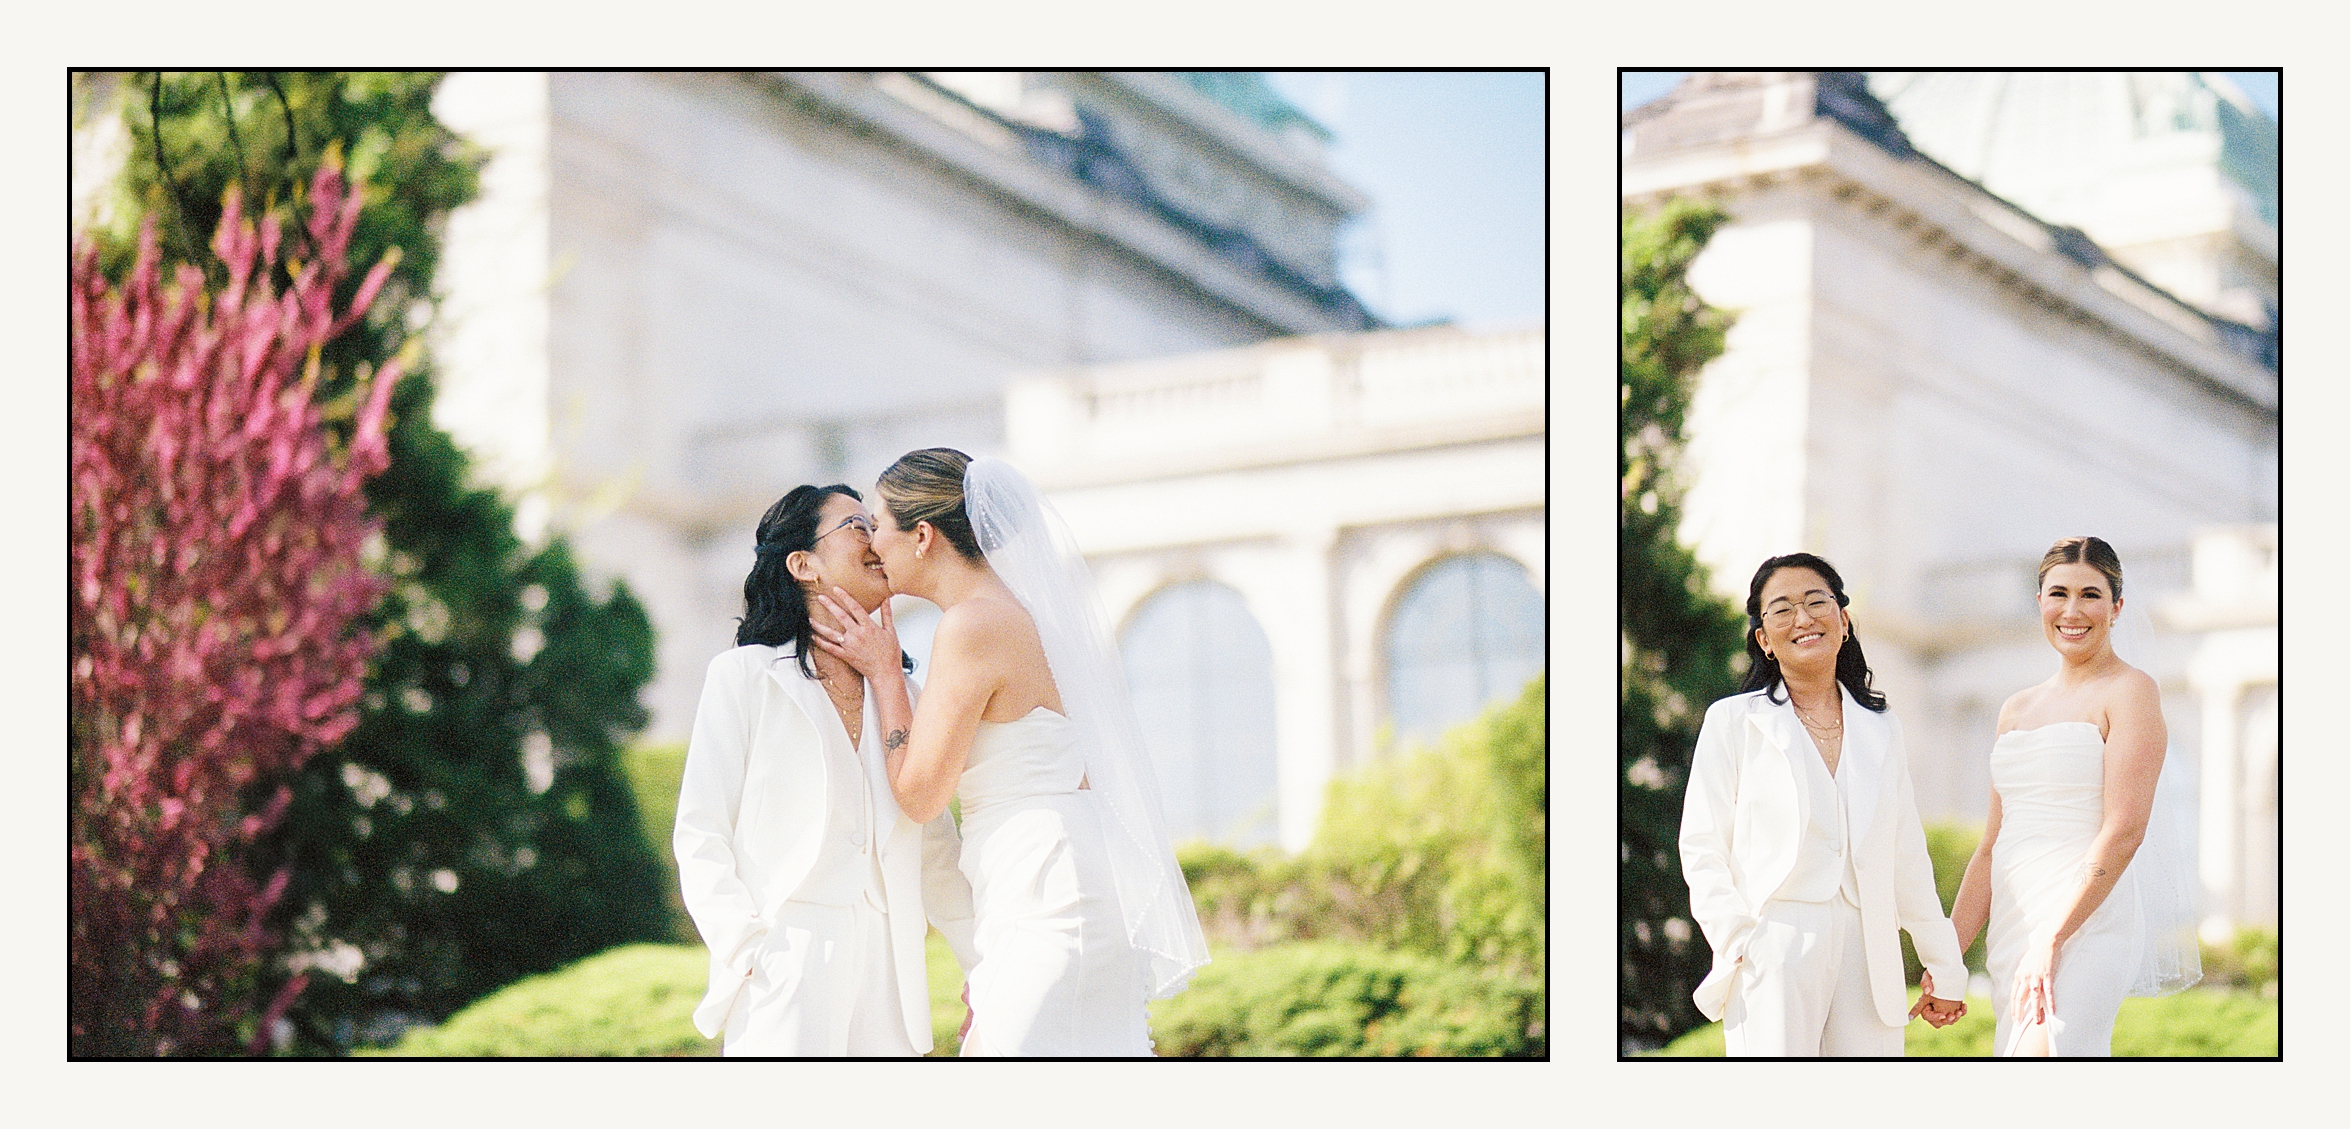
{"x":1778,"y":726}
{"x":804,"y":692}
{"x":1868,"y":738}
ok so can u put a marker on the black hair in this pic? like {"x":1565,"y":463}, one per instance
{"x":1762,"y":671}
{"x":775,"y":606}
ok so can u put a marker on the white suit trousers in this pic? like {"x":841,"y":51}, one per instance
{"x":1802,"y":990}
{"x":822,"y":986}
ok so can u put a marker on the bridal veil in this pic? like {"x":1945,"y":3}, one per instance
{"x":1031,"y":550}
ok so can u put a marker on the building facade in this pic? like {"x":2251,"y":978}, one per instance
{"x":1316,"y":550}
{"x":679,"y":295}
{"x":1930,"y":382}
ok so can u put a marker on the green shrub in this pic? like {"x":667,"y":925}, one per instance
{"x":631,"y":1001}
{"x":634,"y":1000}
{"x":2197,"y":1023}
{"x":655,"y":772}
{"x":1320,"y":999}
{"x":1437,"y":852}
{"x":2247,"y":962}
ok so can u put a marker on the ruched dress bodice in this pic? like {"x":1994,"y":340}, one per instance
{"x":2051,"y":785}
{"x":1056,"y":975}
{"x":1015,"y":760}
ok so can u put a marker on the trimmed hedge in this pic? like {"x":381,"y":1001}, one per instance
{"x":1320,"y":999}
{"x":2196,"y":1023}
{"x":635,"y":1001}
{"x":630,"y":1001}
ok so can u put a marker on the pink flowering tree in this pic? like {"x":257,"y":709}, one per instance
{"x":217,"y":532}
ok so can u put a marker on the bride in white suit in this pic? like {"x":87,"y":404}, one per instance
{"x":808,"y":883}
{"x":1801,"y":843}
{"x":1081,"y":914}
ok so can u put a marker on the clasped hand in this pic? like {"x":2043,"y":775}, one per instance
{"x":867,"y":643}
{"x":1938,"y":1012}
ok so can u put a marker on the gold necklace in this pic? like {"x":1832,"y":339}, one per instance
{"x":1808,"y":723}
{"x":849,"y":713}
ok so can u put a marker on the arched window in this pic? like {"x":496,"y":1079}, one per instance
{"x":1467,"y":633}
{"x":1201,"y":674}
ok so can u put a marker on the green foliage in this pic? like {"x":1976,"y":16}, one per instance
{"x":655,"y":773}
{"x":2198,"y":1023}
{"x":420,"y":843}
{"x":946,"y":997}
{"x":1950,"y":844}
{"x":1683,"y":648}
{"x":631,"y":1001}
{"x":1321,"y":999}
{"x":635,"y":1000}
{"x":2247,"y":962}
{"x":1437,"y":852}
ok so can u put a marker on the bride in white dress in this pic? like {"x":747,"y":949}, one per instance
{"x":1081,"y":914}
{"x":2075,"y":926}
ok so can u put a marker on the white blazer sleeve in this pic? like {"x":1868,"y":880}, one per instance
{"x":1914,"y":899}
{"x":946,"y":894}
{"x":1708,"y":812}
{"x":708,"y":802}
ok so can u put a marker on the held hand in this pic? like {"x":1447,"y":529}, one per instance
{"x":1938,"y":1012}
{"x":968,"y":1014}
{"x":867,"y":643}
{"x":2035,"y":981}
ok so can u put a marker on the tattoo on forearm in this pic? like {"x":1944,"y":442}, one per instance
{"x":896,"y":738}
{"x":2092,"y":871}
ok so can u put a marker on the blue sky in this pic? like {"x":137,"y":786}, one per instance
{"x":1453,"y":163}
{"x":1641,"y":87}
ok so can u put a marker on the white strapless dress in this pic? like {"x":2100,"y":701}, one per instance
{"x":1056,"y":974}
{"x":2051,"y":784}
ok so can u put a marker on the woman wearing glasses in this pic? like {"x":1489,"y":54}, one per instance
{"x":808,"y":883}
{"x":1801,"y":843}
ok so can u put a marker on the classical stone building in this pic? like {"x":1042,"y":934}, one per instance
{"x":1316,"y":549}
{"x":681,"y":294}
{"x":1977,"y":313}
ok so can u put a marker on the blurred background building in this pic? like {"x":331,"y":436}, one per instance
{"x":1978,"y":312}
{"x":680,"y":295}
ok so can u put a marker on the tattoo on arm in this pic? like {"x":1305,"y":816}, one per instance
{"x":896,"y":738}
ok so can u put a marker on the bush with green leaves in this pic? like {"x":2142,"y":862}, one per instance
{"x":1683,"y":646}
{"x":632,"y":1001}
{"x":1438,"y":851}
{"x":475,"y":827}
{"x":1325,"y":999}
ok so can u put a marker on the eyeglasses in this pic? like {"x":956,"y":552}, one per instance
{"x":1819,"y":607}
{"x":858,"y":522}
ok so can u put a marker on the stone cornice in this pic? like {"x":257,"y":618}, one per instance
{"x":1011,"y":173}
{"x":1228,"y":130}
{"x":1971,"y":230}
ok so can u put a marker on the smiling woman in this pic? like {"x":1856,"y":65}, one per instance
{"x":1801,"y":843}
{"x":2078,"y":919}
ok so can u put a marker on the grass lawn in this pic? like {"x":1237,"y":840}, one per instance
{"x":2199,"y":1022}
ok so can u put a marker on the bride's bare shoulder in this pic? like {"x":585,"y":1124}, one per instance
{"x":984,"y":618}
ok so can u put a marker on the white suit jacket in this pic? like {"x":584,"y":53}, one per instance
{"x":751,"y":820}
{"x":1742,"y":821}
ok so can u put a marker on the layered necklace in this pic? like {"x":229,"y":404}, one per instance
{"x":1824,"y":735}
{"x":848,"y":701}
